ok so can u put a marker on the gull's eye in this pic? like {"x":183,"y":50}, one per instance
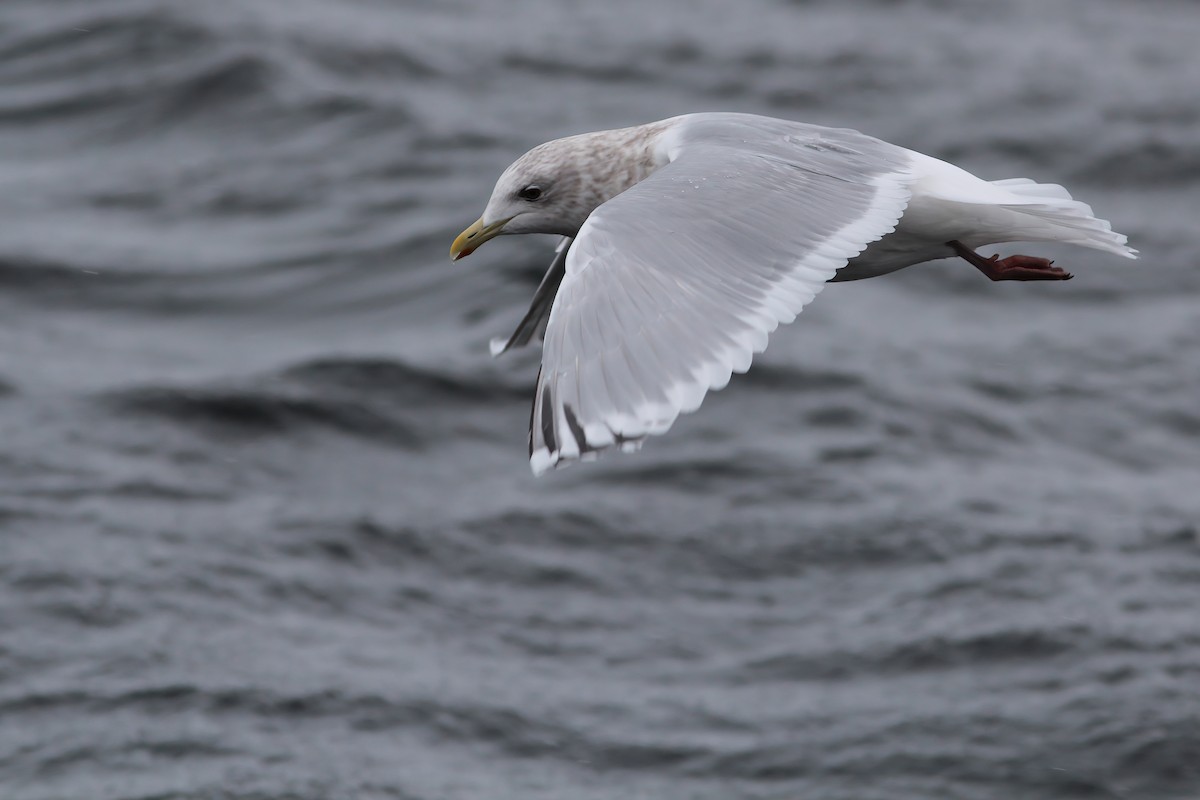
{"x":530,"y":192}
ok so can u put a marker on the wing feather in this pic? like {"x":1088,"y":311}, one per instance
{"x":675,"y":284}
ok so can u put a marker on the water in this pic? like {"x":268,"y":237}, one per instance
{"x":268,"y":527}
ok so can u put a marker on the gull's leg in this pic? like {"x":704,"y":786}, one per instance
{"x":1013,"y":268}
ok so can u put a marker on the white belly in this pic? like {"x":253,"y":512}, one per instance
{"x":894,"y":251}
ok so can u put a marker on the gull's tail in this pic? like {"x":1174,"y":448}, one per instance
{"x":1056,"y":216}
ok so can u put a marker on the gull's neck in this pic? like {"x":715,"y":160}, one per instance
{"x":609,"y":162}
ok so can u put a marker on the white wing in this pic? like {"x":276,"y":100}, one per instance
{"x":674,"y":284}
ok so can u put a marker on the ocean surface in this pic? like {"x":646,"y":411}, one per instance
{"x":267,"y":527}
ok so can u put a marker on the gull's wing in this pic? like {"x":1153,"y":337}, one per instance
{"x":675,"y":283}
{"x":534,"y":322}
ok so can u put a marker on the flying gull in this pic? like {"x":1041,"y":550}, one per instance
{"x":687,"y":241}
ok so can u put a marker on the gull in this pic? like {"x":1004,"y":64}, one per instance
{"x":687,"y":241}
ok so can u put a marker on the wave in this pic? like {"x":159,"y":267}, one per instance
{"x":154,"y":71}
{"x":383,"y":401}
{"x":974,"y":651}
{"x":258,"y":411}
{"x":400,"y":381}
{"x":49,"y":280}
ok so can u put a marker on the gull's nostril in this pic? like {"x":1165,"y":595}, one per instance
{"x":472,"y":236}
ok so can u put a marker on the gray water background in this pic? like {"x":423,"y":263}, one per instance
{"x":267,"y":528}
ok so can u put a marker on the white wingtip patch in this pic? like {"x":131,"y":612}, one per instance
{"x":540,"y":461}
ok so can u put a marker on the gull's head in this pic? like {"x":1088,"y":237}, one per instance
{"x":539,"y":193}
{"x":555,"y":186}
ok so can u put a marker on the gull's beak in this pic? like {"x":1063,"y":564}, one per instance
{"x":474,"y":236}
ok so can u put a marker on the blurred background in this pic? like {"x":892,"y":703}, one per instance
{"x":267,"y":529}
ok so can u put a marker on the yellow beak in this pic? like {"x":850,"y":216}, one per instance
{"x":474,"y":236}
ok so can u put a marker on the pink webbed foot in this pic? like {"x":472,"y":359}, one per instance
{"x":1013,"y":268}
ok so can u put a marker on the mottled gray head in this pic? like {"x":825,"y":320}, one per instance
{"x":555,"y":186}
{"x":540,"y":191}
